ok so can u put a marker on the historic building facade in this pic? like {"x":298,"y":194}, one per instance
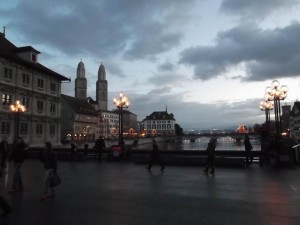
{"x":106,"y":123}
{"x":37,"y":87}
{"x":159,"y":123}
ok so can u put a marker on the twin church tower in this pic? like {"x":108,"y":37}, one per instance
{"x":101,"y":86}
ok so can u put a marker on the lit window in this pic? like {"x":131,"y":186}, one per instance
{"x":6,"y":99}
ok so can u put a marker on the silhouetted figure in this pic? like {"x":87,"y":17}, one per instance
{"x":73,"y":150}
{"x":86,"y":147}
{"x":18,"y":156}
{"x":248,"y":148}
{"x":155,"y":156}
{"x":210,"y":160}
{"x":50,"y":165}
{"x":4,"y":150}
{"x":99,"y":146}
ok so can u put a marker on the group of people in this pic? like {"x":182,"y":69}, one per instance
{"x":17,"y":154}
{"x":210,"y":152}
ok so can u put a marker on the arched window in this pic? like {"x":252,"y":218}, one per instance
{"x":158,"y":126}
{"x":149,"y":127}
{"x":164,"y":126}
{"x":153,"y":126}
{"x":169,"y":126}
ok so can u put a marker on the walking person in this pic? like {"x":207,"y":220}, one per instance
{"x":18,"y":157}
{"x":50,"y":165}
{"x":248,"y":148}
{"x":155,"y":156}
{"x":99,"y":146}
{"x":4,"y":150}
{"x":210,"y":160}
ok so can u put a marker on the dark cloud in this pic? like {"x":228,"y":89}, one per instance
{"x":255,"y":9}
{"x":167,"y":79}
{"x":137,"y":29}
{"x":167,"y":66}
{"x":267,"y":54}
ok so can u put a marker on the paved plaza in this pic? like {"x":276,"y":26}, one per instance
{"x":124,"y":193}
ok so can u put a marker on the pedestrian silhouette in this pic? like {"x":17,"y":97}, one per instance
{"x":155,"y":156}
{"x":4,"y":150}
{"x":18,"y":157}
{"x":50,"y":165}
{"x":210,"y":160}
{"x":248,"y":148}
{"x":99,"y":146}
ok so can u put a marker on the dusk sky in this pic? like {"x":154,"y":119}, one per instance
{"x":208,"y":61}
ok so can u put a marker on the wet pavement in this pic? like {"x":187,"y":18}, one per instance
{"x":121,"y":193}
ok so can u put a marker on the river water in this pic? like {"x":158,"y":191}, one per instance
{"x":223,"y":143}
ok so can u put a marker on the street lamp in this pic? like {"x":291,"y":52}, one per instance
{"x":276,"y":93}
{"x":120,"y":103}
{"x":267,"y":106}
{"x":17,"y":108}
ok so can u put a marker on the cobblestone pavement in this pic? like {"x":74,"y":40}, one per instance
{"x":121,"y":193}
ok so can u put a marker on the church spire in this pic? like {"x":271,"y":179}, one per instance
{"x":80,"y":82}
{"x":101,"y":72}
{"x":80,"y":70}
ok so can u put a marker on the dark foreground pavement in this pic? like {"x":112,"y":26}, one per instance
{"x":121,"y":193}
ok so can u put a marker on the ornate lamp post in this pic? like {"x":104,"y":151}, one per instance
{"x":17,"y":108}
{"x":267,"y":106}
{"x":276,"y":93}
{"x":120,"y":103}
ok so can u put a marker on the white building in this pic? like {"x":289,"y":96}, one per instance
{"x":159,"y":123}
{"x":23,"y":78}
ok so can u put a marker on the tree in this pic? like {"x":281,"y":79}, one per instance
{"x":178,"y":130}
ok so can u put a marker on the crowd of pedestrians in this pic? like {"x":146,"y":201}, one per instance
{"x":16,"y":154}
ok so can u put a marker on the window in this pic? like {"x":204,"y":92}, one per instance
{"x":40,"y":105}
{"x":25,"y":102}
{"x":24,"y":128}
{"x":40,"y":83}
{"x":33,"y":57}
{"x":7,"y":73}
{"x":53,"y":87}
{"x":25,"y":78}
{"x":5,"y":128}
{"x":6,"y":99}
{"x":52,"y":107}
{"x":39,"y":129}
{"x":52,"y":129}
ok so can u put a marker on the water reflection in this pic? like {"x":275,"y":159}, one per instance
{"x":223,"y":143}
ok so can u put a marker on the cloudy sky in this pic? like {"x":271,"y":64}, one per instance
{"x":207,"y":61}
